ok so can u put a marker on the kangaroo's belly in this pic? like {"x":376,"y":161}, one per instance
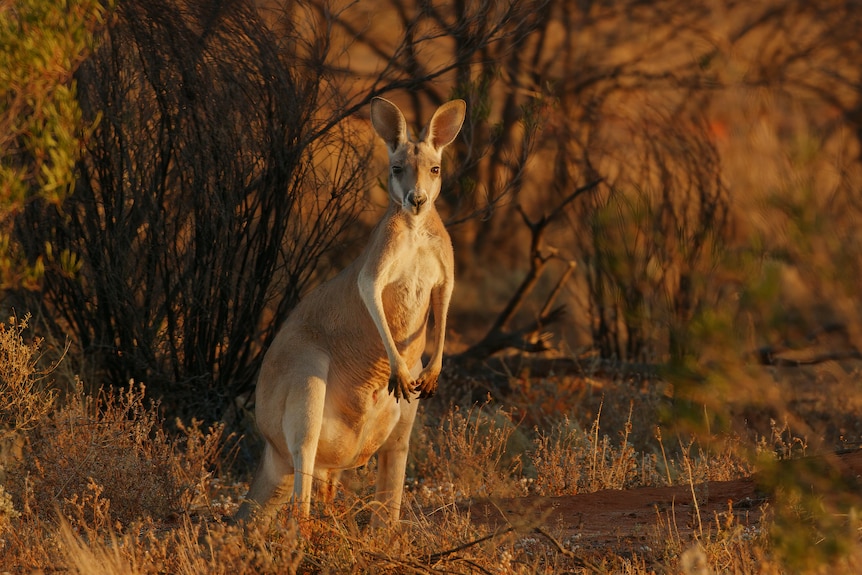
{"x":355,"y":428}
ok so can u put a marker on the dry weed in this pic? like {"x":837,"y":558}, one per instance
{"x":94,"y":558}
{"x":475,"y":451}
{"x":113,"y":446}
{"x":23,"y":398}
{"x":104,"y":464}
{"x":569,"y":460}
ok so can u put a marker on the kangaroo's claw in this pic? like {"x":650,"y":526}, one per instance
{"x":400,"y":387}
{"x":426,"y":385}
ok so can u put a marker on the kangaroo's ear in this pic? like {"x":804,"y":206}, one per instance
{"x":446,"y":123}
{"x":388,"y":122}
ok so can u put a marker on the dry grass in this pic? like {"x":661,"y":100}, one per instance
{"x":99,"y":486}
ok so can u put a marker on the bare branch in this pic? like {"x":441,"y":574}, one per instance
{"x":529,"y":338}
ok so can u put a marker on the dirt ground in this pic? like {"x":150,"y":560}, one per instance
{"x":627,"y":520}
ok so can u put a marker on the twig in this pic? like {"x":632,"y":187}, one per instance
{"x":411,"y":566}
{"x":441,"y":554}
{"x":568,"y":553}
{"x":546,"y":310}
{"x":473,"y":564}
{"x":693,"y":495}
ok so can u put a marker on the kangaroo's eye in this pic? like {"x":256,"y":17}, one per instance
{"x":435,"y":170}
{"x":396,"y":170}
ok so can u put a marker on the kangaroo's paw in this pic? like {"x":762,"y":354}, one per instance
{"x":401,"y":385}
{"x":426,"y":384}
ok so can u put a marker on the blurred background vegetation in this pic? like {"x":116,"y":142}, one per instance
{"x":664,"y":192}
{"x":683,"y":178}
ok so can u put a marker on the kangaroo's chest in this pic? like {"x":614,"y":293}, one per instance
{"x":410,"y":290}
{"x":412,"y":277}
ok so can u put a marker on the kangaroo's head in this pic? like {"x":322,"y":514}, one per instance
{"x":414,"y":165}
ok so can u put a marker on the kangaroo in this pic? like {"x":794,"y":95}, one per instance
{"x":330,"y":387}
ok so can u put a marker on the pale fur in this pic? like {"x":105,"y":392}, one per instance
{"x":329,"y":390}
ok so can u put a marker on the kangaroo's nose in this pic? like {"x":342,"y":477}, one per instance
{"x":417,"y":200}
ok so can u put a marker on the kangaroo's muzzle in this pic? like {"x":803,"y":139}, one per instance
{"x":415,"y":201}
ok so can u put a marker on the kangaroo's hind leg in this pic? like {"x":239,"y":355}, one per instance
{"x":302,"y":420}
{"x":267,"y":488}
{"x":328,"y":482}
{"x":290,"y":401}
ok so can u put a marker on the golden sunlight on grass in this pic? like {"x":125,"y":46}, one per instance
{"x":98,"y":487}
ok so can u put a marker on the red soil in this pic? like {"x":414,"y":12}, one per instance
{"x":628,"y":519}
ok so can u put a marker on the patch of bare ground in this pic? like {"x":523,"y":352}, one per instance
{"x":627,"y":520}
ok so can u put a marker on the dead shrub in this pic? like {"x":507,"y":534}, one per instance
{"x":106,"y":458}
{"x":23,"y":401}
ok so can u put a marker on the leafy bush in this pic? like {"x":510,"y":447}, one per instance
{"x":43,"y":129}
